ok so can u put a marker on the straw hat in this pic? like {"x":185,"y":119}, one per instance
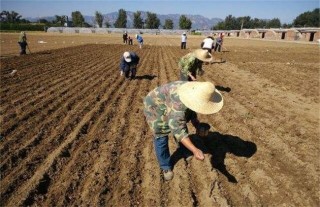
{"x":127,"y":57}
{"x":203,"y":55}
{"x":201,"y":97}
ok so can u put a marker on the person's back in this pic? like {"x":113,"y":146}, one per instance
{"x":218,"y":44}
{"x":128,"y":64}
{"x":23,"y":43}
{"x":125,"y":37}
{"x":208,"y":44}
{"x":140,"y":40}
{"x":22,"y":37}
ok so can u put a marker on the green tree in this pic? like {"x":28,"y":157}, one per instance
{"x":308,"y":19}
{"x":60,"y":20}
{"x":99,"y":18}
{"x":137,"y":20}
{"x":43,"y":21}
{"x":274,"y":23}
{"x":77,"y":19}
{"x":168,"y":24}
{"x":107,"y":23}
{"x":286,"y":25}
{"x":230,"y":22}
{"x":243,"y":23}
{"x":258,"y":23}
{"x":218,"y":26}
{"x":184,"y":22}
{"x":152,"y":21}
{"x":121,"y":21}
{"x":10,"y":17}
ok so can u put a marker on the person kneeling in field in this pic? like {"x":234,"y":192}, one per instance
{"x":191,"y":64}
{"x":169,"y":107}
{"x":128,"y":64}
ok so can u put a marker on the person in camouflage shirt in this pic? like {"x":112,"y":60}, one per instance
{"x":191,"y":64}
{"x":166,"y":113}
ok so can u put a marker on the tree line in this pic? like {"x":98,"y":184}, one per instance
{"x":306,"y":19}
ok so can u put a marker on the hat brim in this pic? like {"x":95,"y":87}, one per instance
{"x":190,"y":99}
{"x":206,"y":59}
{"x":210,"y":59}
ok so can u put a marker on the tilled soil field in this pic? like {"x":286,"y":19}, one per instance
{"x":73,"y":132}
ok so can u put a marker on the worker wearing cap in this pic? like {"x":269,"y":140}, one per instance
{"x":169,"y":107}
{"x":128,"y":64}
{"x":183,"y":40}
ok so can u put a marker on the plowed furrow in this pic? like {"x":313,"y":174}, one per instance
{"x":47,"y":104}
{"x":261,"y":134}
{"x":51,"y":142}
{"x":40,"y":73}
{"x":83,"y":148}
{"x":21,"y":194}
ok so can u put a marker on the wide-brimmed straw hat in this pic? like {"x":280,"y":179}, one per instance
{"x":203,"y":55}
{"x":127,"y":57}
{"x":201,"y":97}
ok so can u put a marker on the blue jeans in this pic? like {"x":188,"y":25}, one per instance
{"x":161,"y":147}
{"x":163,"y":154}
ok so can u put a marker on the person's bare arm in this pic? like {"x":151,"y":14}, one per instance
{"x":192,"y":77}
{"x":196,"y":152}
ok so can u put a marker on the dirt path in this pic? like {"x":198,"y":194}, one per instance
{"x":73,"y":132}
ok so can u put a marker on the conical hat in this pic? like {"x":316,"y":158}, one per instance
{"x":203,"y":55}
{"x":201,"y":97}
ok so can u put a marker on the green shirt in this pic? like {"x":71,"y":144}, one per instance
{"x":189,"y":64}
{"x":165,"y":112}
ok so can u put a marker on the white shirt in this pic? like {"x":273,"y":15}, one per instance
{"x":208,"y":43}
{"x":183,"y":38}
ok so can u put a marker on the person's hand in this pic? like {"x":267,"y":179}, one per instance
{"x":198,"y":154}
{"x":121,"y":73}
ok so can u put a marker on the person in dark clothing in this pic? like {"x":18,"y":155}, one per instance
{"x":125,"y":37}
{"x":219,"y":43}
{"x":129,"y":40}
{"x":23,"y":43}
{"x":128,"y":64}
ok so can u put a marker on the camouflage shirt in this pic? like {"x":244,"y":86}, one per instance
{"x":189,"y":64}
{"x":165,"y":112}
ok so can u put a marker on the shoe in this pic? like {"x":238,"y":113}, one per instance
{"x":168,"y":175}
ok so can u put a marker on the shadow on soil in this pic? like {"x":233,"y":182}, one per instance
{"x":148,"y":77}
{"x":222,"y":88}
{"x":218,"y":145}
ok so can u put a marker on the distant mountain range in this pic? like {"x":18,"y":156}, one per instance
{"x":198,"y":21}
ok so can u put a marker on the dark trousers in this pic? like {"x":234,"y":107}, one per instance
{"x":130,"y":42}
{"x":23,"y":46}
{"x":217,"y":47}
{"x":128,"y":70}
{"x":183,"y":45}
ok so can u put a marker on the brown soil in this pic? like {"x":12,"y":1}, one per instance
{"x":73,"y":132}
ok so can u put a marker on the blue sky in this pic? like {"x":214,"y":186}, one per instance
{"x":285,"y":10}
